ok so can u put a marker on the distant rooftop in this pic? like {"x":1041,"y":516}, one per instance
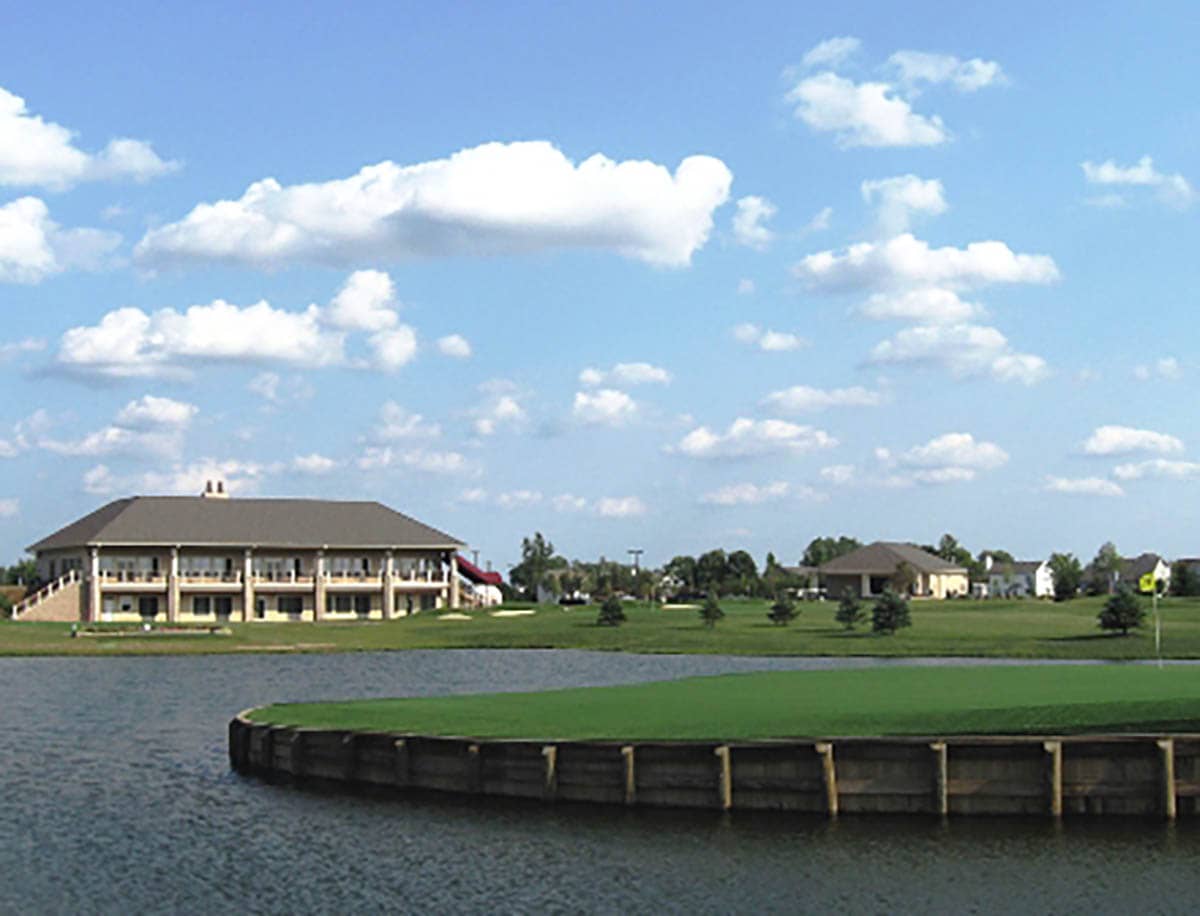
{"x":882,"y":558}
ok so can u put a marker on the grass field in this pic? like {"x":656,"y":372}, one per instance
{"x":780,"y":704}
{"x":1012,"y":628}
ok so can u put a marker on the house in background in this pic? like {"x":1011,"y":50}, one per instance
{"x":1133,"y":570}
{"x":210,"y":558}
{"x":1019,"y":579}
{"x":868,"y":570}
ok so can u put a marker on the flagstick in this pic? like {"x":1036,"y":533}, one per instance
{"x":1157,"y":630}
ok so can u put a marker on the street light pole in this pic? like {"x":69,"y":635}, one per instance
{"x":636,"y":553}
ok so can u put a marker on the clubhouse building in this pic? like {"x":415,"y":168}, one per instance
{"x":209,"y":558}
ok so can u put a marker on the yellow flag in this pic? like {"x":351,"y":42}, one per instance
{"x":1146,"y":583}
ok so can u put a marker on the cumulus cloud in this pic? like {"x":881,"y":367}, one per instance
{"x":147,"y":426}
{"x":150,"y":412}
{"x":1172,"y":189}
{"x":498,"y":198}
{"x":366,"y":302}
{"x":500,"y":408}
{"x":1158,"y":467}
{"x":1126,"y":440}
{"x":1082,"y":486}
{"x":832,"y":51}
{"x":751,"y":494}
{"x":518,"y":499}
{"x":908,"y":262}
{"x":10,"y":507}
{"x":914,"y":68}
{"x":34,"y":247}
{"x":314,"y":464}
{"x":898,"y":200}
{"x":802,"y":398}
{"x":619,"y":507}
{"x":839,"y":474}
{"x":1168,"y":367}
{"x":746,"y":287}
{"x":604,"y":407}
{"x":748,"y":222}
{"x":17,"y":348}
{"x":962,"y":349}
{"x":426,"y":461}
{"x":396,"y":423}
{"x":868,"y":114}
{"x":746,"y":438}
{"x":34,"y":151}
{"x":569,"y":502}
{"x":454,"y":345}
{"x":768,"y":340}
{"x":955,"y":450}
{"x":625,"y":375}
{"x":179,"y":479}
{"x":926,"y":305}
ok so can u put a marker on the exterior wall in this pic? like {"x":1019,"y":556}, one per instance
{"x":1028,"y":775}
{"x":1044,"y":582}
{"x":835,"y":586}
{"x":63,"y":605}
{"x":945,"y":585}
{"x":53,"y":563}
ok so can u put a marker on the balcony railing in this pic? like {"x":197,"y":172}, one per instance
{"x":132,"y":576}
{"x":283,"y":576}
{"x":196,"y":576}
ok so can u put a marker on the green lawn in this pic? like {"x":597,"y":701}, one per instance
{"x":890,"y":701}
{"x":1020,"y":629}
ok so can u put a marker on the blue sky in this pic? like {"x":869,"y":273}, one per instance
{"x":673,"y":278}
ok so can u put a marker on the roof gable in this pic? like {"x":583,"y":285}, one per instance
{"x":883,"y":557}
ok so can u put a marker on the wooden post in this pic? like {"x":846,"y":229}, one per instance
{"x":829,"y":772}
{"x":1054,"y":776}
{"x":403,"y":763}
{"x":941,"y":778}
{"x":296,"y":756}
{"x":350,"y":753}
{"x":550,"y":783}
{"x":630,"y":775}
{"x":1166,"y":748}
{"x":724,"y":777}
{"x":474,"y":769}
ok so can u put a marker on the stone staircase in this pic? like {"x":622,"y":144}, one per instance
{"x":61,"y":600}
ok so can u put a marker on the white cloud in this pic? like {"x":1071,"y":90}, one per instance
{"x":832,"y":51}
{"x":497,"y":198}
{"x":503,"y":409}
{"x":748,"y":494}
{"x":768,"y":340}
{"x":605,"y":407}
{"x":925,"y":305}
{"x":863,"y":114}
{"x":155,"y":412}
{"x":397,"y":423}
{"x":366,"y":302}
{"x":179,"y":479}
{"x":1168,"y":367}
{"x":917,"y":67}
{"x":148,"y":426}
{"x":568,"y":502}
{"x":906,"y":262}
{"x":265,"y":385}
{"x":620,"y":507}
{"x":1158,"y":467}
{"x":962,"y":349}
{"x":34,"y":247}
{"x":625,"y":375}
{"x":801,"y":398}
{"x":394,"y":348}
{"x":34,"y":151}
{"x":1082,"y":486}
{"x":839,"y":474}
{"x":518,"y":499}
{"x":10,"y":508}
{"x":745,"y":287}
{"x":897,"y":200}
{"x":454,"y":345}
{"x":10,"y":351}
{"x":274,"y":389}
{"x":313,"y":464}
{"x":955,"y":450}
{"x":472,"y":496}
{"x":748,"y":222}
{"x":414,"y":459}
{"x":819,"y":222}
{"x":1173,"y":190}
{"x":746,"y":437}
{"x":1126,"y":440}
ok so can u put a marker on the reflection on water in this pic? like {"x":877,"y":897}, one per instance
{"x":116,"y":796}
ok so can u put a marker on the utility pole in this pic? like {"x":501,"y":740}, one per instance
{"x":636,"y":553}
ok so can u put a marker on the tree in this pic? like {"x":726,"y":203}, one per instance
{"x":904,"y":578}
{"x":1105,"y":569}
{"x":537,"y":559}
{"x":850,"y":612}
{"x":6,"y":607}
{"x":890,"y":613}
{"x":710,"y":611}
{"x":1184,"y":581}
{"x":821,"y":550}
{"x":783,"y":611}
{"x":741,"y":573}
{"x":1123,"y":611}
{"x":682,"y":570}
{"x":23,"y":572}
{"x":1067,"y":575}
{"x":612,"y":613}
{"x":952,"y":552}
{"x":711,"y":571}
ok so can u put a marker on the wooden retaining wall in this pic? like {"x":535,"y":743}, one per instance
{"x":1123,"y":775}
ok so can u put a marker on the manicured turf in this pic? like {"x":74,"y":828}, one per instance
{"x":894,"y":701}
{"x":1019,"y":629}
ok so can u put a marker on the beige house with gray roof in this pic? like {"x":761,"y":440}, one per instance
{"x":869,"y":570}
{"x":210,"y":559}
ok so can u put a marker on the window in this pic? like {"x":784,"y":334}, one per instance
{"x":260,"y":608}
{"x":338,"y":604}
{"x":292,"y":605}
{"x":201,"y":605}
{"x":223,"y":606}
{"x":428,"y":602}
{"x":362,"y":605}
{"x":147,"y":605}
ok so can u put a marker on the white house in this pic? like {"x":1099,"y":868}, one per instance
{"x":1019,"y":579}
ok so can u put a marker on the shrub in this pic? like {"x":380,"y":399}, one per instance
{"x":612,"y":613}
{"x":783,"y":611}
{"x":710,"y":611}
{"x":850,"y":612}
{"x":890,"y":613}
{"x":1123,"y":611}
{"x":6,"y":607}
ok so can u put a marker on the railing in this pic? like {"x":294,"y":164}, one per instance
{"x":353,"y":576}
{"x":70,"y":577}
{"x":192,"y":576}
{"x":132,"y":576}
{"x":285,"y":576}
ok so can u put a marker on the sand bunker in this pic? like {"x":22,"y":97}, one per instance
{"x":453,"y":617}
{"x":512,"y":613}
{"x":680,"y":607}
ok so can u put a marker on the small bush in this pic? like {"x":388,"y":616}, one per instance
{"x":850,"y":611}
{"x":890,"y":613}
{"x":710,"y":611}
{"x":612,"y":613}
{"x":1123,"y":611}
{"x":783,"y":611}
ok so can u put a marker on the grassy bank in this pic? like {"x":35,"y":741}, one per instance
{"x":1020,"y":629}
{"x":897,"y":701}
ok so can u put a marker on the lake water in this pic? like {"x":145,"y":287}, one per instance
{"x":116,"y":796}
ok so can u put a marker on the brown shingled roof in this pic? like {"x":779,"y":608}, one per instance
{"x":193,"y":520}
{"x":882,"y":558}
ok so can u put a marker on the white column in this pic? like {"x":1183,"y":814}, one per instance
{"x":454,"y":597}
{"x":95,"y":604}
{"x":866,"y":585}
{"x":319,"y":586}
{"x":389,"y":584}
{"x":173,"y":587}
{"x":248,"y":586}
